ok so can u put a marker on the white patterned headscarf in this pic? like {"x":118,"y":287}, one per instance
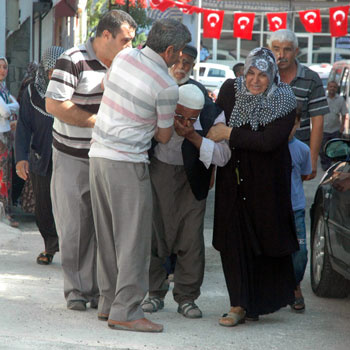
{"x":48,"y":61}
{"x":275,"y":102}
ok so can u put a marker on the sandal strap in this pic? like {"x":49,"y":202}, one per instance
{"x":188,"y":306}
{"x":155,"y":302}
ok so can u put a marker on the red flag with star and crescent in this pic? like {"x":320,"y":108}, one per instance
{"x":184,"y":8}
{"x":311,"y":19}
{"x":338,"y":20}
{"x":243,"y":25}
{"x":277,"y":21}
{"x":212,"y":23}
{"x":161,"y":5}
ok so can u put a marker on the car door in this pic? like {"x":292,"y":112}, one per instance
{"x":339,"y":213}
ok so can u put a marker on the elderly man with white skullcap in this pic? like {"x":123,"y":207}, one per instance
{"x":180,"y":174}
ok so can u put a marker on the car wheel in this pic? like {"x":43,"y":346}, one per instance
{"x":325,"y":282}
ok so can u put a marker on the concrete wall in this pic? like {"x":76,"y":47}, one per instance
{"x":2,"y":27}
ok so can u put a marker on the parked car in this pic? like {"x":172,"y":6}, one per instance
{"x":212,"y":75}
{"x":330,"y":226}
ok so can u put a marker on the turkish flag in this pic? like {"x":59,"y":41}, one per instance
{"x":277,"y":21}
{"x":212,"y":23}
{"x":243,"y":25}
{"x":184,"y":8}
{"x":311,"y":19}
{"x":161,"y":5}
{"x":338,"y":20}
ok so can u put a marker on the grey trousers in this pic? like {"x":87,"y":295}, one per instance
{"x":178,"y":220}
{"x":122,"y":206}
{"x":71,"y":206}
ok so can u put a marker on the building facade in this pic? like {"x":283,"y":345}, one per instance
{"x":29,"y":27}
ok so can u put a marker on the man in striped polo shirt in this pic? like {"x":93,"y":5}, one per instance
{"x":138,"y":103}
{"x":308,"y":90}
{"x":73,"y":97}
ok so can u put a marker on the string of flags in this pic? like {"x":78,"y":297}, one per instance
{"x":244,"y":21}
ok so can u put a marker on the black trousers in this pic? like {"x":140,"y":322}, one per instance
{"x":43,"y":211}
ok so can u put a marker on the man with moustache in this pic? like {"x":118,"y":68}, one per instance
{"x":307,"y":87}
{"x":180,"y":173}
{"x":182,"y":69}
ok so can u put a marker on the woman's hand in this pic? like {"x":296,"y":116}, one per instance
{"x":13,"y":125}
{"x":219,"y":132}
{"x":22,"y":169}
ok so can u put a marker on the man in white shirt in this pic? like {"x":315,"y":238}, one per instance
{"x":333,"y":124}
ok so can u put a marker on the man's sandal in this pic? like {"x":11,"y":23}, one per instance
{"x":298,"y":305}
{"x":152,"y":304}
{"x":44,"y":258}
{"x":232,"y":319}
{"x":190,"y":310}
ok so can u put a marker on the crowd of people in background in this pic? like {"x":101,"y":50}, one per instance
{"x":120,"y":147}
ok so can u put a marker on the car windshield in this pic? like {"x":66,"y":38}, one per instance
{"x":218,"y":73}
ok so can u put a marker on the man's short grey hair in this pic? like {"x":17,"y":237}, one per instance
{"x":168,"y":32}
{"x":283,"y":35}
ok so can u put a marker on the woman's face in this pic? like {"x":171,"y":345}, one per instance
{"x":3,"y":70}
{"x":256,"y":81}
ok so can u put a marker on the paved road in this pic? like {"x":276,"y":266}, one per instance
{"x":34,"y":316}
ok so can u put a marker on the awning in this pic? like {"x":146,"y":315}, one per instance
{"x":66,"y":8}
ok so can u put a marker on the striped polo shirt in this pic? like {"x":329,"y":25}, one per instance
{"x":309,"y":92}
{"x":139,"y":96}
{"x":77,"y":77}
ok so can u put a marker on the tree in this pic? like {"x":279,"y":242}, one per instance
{"x":136,"y":9}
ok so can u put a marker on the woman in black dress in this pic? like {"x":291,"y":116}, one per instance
{"x":253,"y":223}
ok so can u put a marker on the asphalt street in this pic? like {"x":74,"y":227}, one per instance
{"x":34,"y":314}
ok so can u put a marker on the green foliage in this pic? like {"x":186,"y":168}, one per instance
{"x":95,"y":12}
{"x":137,"y":13}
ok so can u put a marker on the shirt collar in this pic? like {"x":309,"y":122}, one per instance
{"x":300,"y":69}
{"x":91,"y":52}
{"x":154,"y":56}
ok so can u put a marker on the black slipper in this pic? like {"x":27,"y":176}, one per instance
{"x":44,"y":258}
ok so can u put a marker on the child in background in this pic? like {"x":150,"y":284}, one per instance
{"x":301,"y":167}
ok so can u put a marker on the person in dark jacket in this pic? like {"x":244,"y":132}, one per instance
{"x":253,"y":221}
{"x":33,"y":148}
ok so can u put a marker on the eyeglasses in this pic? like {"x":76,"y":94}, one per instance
{"x":191,"y":119}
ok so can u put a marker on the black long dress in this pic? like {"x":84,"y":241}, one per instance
{"x":253,"y":223}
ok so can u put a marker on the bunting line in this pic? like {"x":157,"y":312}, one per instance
{"x":244,"y":21}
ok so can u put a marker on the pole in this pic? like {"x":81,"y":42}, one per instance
{"x":198,"y":42}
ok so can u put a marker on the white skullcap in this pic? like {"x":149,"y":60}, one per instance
{"x":191,"y":96}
